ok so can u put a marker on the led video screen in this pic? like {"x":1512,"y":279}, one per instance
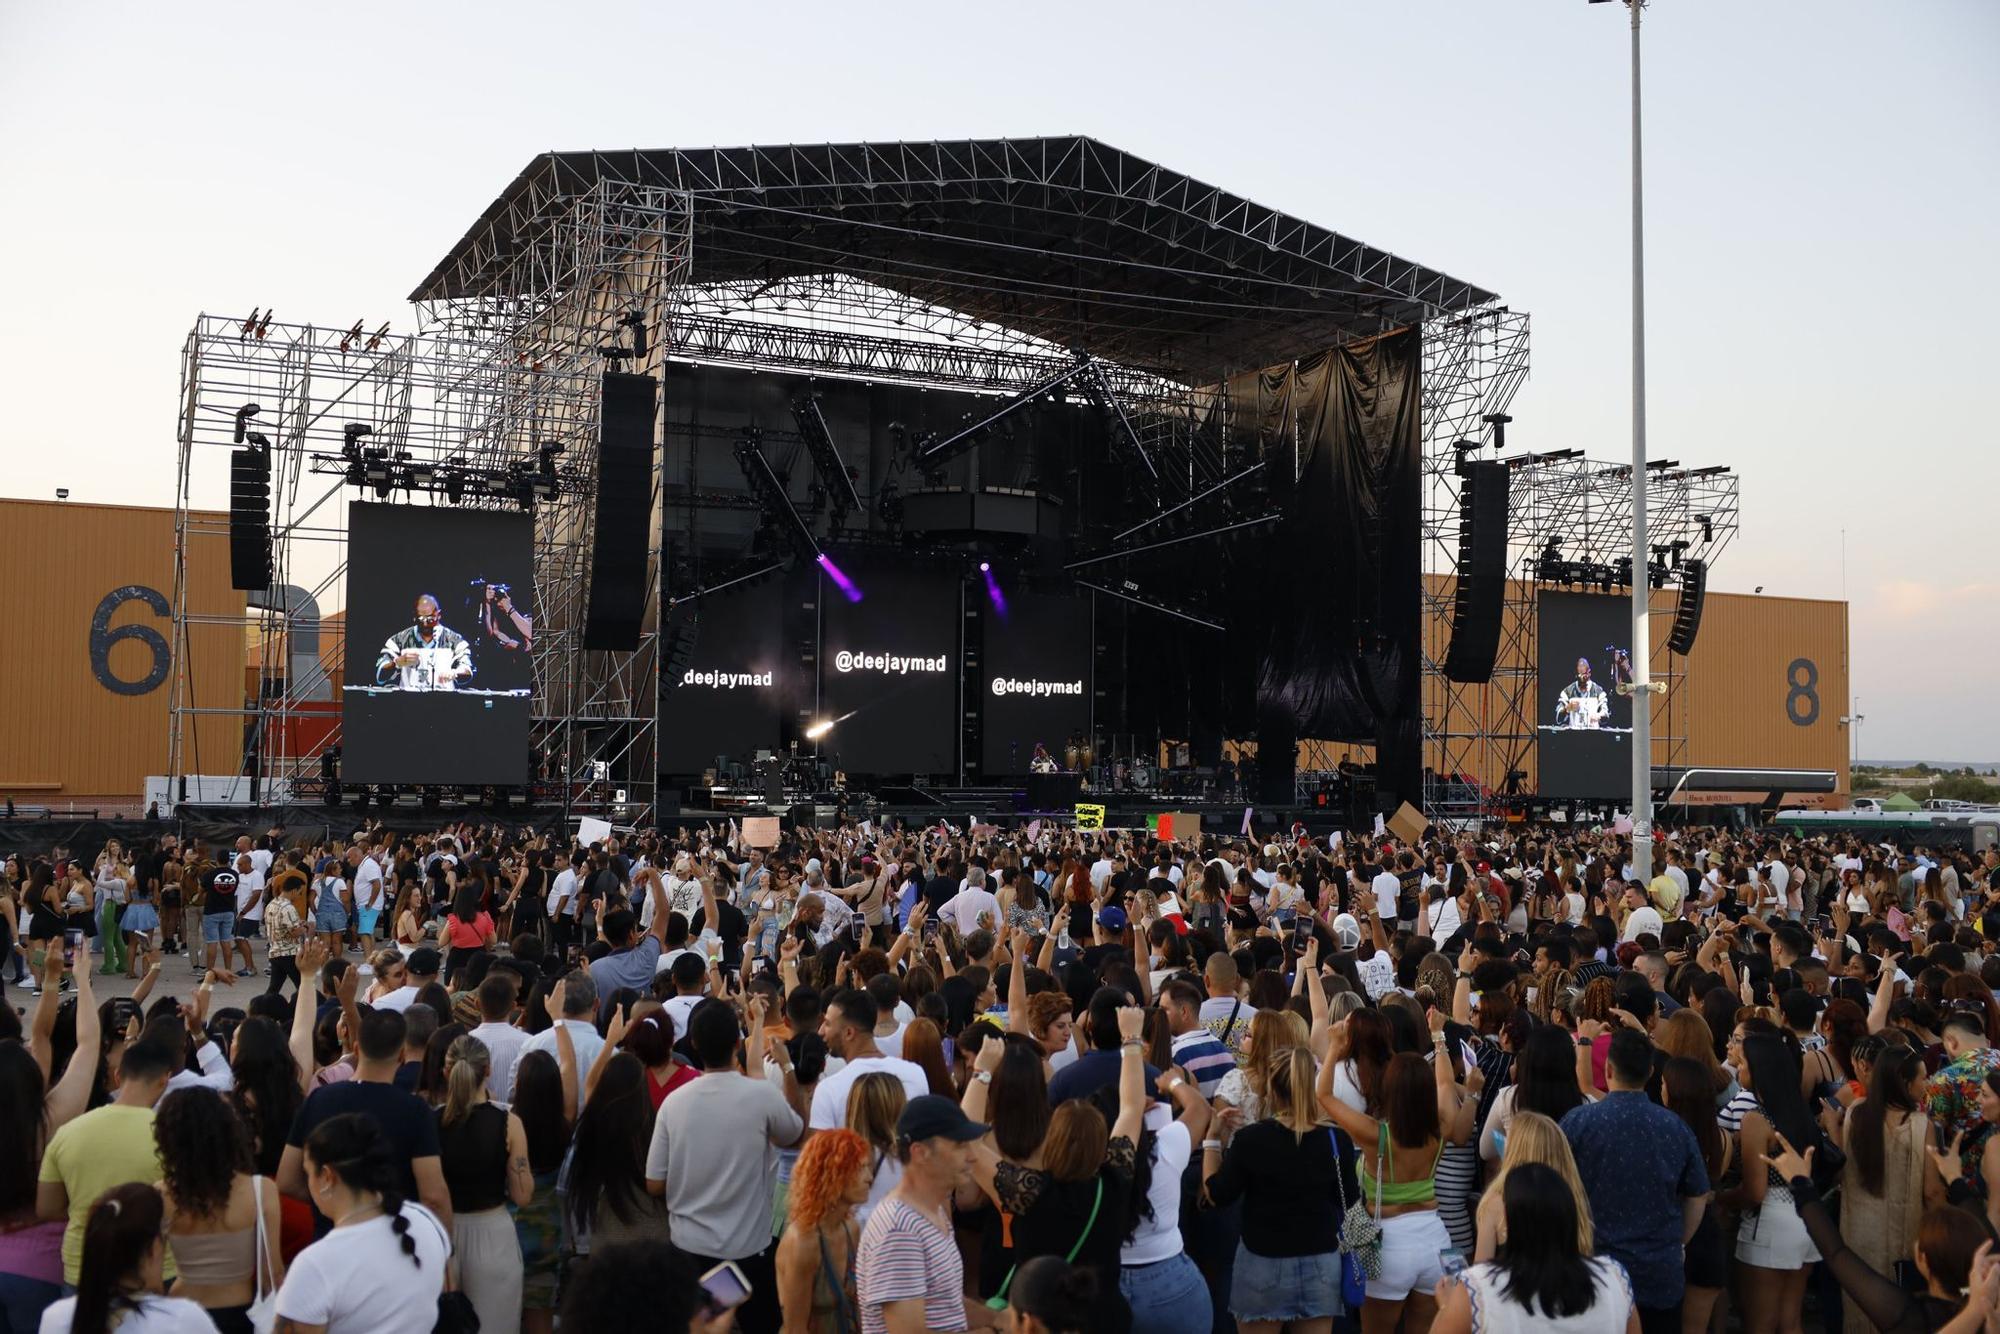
{"x":440,"y":626}
{"x":888,"y":674}
{"x":1585,"y":725}
{"x":725,"y":704}
{"x":1035,"y":682}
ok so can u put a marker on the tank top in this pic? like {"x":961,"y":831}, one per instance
{"x":473,"y":1154}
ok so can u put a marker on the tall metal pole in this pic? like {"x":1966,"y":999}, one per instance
{"x":1642,"y":646}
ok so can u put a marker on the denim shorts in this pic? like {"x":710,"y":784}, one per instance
{"x":1289,"y":1287}
{"x":218,"y":928}
{"x":331,"y":920}
{"x":248,"y":928}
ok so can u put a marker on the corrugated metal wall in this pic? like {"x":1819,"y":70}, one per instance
{"x":65,"y":735}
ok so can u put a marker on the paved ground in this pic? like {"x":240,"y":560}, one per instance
{"x":176,"y":979}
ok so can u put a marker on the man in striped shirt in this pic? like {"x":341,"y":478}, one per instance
{"x":1196,"y":1050}
{"x":908,"y":1274}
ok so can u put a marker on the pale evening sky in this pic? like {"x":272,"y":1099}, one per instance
{"x":1822,"y":187}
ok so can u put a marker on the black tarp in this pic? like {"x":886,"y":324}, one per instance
{"x":224,"y":824}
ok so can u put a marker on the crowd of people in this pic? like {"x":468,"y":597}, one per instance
{"x":881,"y":1080}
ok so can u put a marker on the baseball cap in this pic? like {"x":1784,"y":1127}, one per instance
{"x":1111,"y":917}
{"x":812,"y":864}
{"x":425,"y":961}
{"x":934,"y":1117}
{"x":1346,"y":931}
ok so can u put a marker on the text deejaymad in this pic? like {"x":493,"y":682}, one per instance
{"x":725,"y":680}
{"x":1005,"y":685}
{"x":886,"y":663}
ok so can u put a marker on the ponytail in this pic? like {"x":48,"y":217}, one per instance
{"x":350,"y":1146}
{"x":469,"y":1063}
{"x":123,"y":1226}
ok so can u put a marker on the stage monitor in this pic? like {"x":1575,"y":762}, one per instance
{"x":1584,"y":724}
{"x":1035,"y":682}
{"x":438,"y":680}
{"x":888,"y":674}
{"x":726,"y":702}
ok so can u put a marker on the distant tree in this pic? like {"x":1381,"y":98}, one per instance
{"x":1964,"y":787}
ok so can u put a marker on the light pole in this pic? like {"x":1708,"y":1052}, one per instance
{"x":1642,"y":687}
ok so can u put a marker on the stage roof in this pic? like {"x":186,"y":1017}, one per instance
{"x":1065,"y":239}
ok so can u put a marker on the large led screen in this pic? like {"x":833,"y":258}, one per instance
{"x":440,"y":626}
{"x":725,"y":704}
{"x":1585,"y":725}
{"x":888,"y":669}
{"x":1035,"y":679}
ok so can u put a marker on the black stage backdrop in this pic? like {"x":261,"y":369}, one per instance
{"x":888,"y":668}
{"x":1341,"y":591}
{"x":1033,"y":656}
{"x":729,"y":698}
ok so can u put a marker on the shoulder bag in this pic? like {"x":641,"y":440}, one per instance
{"x":263,"y":1312}
{"x":1353,"y":1282}
{"x":998,"y":1301}
{"x":1360,"y":1231}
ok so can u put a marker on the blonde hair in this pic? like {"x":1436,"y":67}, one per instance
{"x":1273,"y":1033}
{"x":469,"y":1063}
{"x":1289,"y":1100}
{"x":873,"y":1106}
{"x":1534,"y":1138}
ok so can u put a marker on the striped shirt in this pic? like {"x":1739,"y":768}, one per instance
{"x":1204,"y":1058}
{"x":904,"y":1256}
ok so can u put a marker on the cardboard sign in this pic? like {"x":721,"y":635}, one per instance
{"x":1179,"y":825}
{"x":1407,"y":823}
{"x":590,"y":829}
{"x":760,"y":831}
{"x":1089,"y":815}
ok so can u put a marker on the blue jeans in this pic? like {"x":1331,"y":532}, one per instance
{"x":22,"y":1301}
{"x":1170,"y":1297}
{"x":218,"y":928}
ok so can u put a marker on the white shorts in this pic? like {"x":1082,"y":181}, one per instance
{"x":1410,"y":1246}
{"x":1774,"y":1236}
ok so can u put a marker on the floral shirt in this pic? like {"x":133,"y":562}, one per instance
{"x":282,"y":928}
{"x":1951,"y":1100}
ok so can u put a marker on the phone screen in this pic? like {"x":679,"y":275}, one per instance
{"x":72,"y":942}
{"x":1452,"y":1260}
{"x":726,"y":1287}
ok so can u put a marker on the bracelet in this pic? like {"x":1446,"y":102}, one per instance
{"x":1214,"y":1144}
{"x":982,"y":1076}
{"x":1135,"y":1042}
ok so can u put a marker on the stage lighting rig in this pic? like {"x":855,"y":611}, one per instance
{"x":771,"y":492}
{"x":243,"y":415}
{"x":835,"y":479}
{"x":618,"y":353}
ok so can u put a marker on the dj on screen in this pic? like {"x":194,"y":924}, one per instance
{"x":427,"y":655}
{"x":1582,"y":703}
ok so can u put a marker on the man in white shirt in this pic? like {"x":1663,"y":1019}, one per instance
{"x":1225,"y":1013}
{"x":849,"y":1030}
{"x":419,"y":971}
{"x":368,"y":896}
{"x":1100,"y":872}
{"x":579,"y":1009}
{"x":249,"y":910}
{"x":1387,"y":888}
{"x":496,"y":1029}
{"x":1641,"y":916}
{"x":562,"y":904}
{"x":971,"y":903}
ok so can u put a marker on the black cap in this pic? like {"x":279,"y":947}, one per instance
{"x":424,"y":961}
{"x":932,"y":1117}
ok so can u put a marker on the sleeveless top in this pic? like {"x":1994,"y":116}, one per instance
{"x":473,"y":1154}
{"x":1493,"y":1312}
{"x":1422,"y":1190}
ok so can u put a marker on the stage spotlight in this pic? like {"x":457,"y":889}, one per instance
{"x":841,"y":581}
{"x":819,"y":729}
{"x":244,"y":414}
{"x":994,"y":596}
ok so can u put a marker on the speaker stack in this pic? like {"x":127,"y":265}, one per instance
{"x":250,"y":518}
{"x":1482,"y":573}
{"x":614,"y":613}
{"x":1687,"y":612}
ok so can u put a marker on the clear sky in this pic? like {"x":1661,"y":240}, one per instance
{"x":1821,"y":179}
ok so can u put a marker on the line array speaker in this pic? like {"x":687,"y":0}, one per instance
{"x":250,"y":518}
{"x":1482,"y":573}
{"x":1687,"y":612}
{"x":615,"y":611}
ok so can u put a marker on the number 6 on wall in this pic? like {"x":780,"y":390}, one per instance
{"x":103,"y":636}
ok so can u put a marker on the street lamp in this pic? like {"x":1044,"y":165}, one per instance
{"x":1642,"y":685}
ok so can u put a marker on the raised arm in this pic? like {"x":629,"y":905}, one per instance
{"x":552,"y":1002}
{"x":71,"y":1095}
{"x":1017,"y":985}
{"x":1131,"y":1073}
{"x":1878,"y":1009}
{"x":1046,"y":960}
{"x":305,"y":1009}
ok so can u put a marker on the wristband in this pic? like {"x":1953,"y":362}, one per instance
{"x":982,"y":1076}
{"x":1214,"y":1144}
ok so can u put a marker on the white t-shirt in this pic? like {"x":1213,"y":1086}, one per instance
{"x":1347,"y":1089}
{"x":829,"y":1104}
{"x":1444,"y":916}
{"x":260,"y":860}
{"x":967,"y":906}
{"x":1159,"y":1237}
{"x":250,"y":895}
{"x":1387,"y":889}
{"x":1100,"y":871}
{"x":156,"y":1315}
{"x":1643,"y":918}
{"x":560,"y":888}
{"x":356,"y":1280}
{"x":368,"y":885}
{"x":678,"y":1008}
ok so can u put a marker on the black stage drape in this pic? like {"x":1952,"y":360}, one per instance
{"x":1339,"y":602}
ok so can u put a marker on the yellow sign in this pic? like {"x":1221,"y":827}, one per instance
{"x":1089,"y":816}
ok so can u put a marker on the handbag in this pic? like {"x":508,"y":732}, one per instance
{"x":1353,"y":1283}
{"x":263,"y":1312}
{"x":998,"y":1301}
{"x":1360,"y":1231}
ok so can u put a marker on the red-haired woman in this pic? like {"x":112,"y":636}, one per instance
{"x":816,"y":1253}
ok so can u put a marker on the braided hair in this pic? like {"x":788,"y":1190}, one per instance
{"x":351,"y":1147}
